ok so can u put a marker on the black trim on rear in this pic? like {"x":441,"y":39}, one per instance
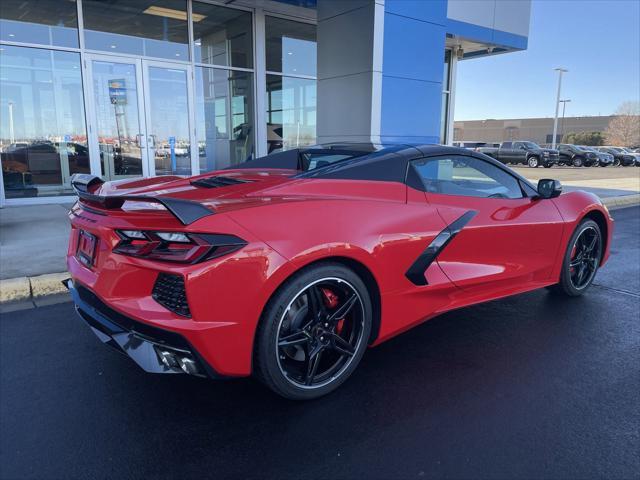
{"x":110,"y":323}
{"x":416,"y":271}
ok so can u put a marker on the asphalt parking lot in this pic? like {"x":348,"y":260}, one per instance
{"x":533,"y":386}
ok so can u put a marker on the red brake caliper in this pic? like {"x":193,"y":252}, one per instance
{"x":331,"y":301}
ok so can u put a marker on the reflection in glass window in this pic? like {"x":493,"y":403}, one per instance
{"x":290,"y":46}
{"x":222,"y":36}
{"x":291,"y":112}
{"x":224,"y":117}
{"x":43,"y":137}
{"x":155,"y":28}
{"x":117,"y":118}
{"x":467,"y":177}
{"x":45,"y":22}
{"x":168,"y":129}
{"x":444,"y":111}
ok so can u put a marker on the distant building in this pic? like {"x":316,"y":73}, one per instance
{"x":539,"y":130}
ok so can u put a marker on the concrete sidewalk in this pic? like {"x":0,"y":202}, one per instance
{"x":33,"y":241}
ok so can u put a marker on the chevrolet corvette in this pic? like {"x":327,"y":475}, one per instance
{"x":289,"y":266}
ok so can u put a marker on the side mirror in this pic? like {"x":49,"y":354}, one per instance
{"x":548,"y":188}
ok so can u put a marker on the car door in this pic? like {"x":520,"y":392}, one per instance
{"x":503,"y":238}
{"x":506,"y":152}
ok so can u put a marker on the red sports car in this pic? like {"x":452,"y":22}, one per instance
{"x":289,"y":266}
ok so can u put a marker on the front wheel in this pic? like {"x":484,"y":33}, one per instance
{"x":314,"y":332}
{"x":581,"y":260}
{"x":533,"y":162}
{"x":577,"y":162}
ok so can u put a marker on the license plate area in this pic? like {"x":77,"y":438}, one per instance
{"x":86,"y":251}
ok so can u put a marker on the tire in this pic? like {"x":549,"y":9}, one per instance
{"x":577,"y":162}
{"x":547,"y":165}
{"x":297,"y":354}
{"x":533,"y":161}
{"x":587,"y":229}
{"x":616,"y":162}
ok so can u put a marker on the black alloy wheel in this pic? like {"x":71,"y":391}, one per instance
{"x":314,"y":332}
{"x":581,"y":260}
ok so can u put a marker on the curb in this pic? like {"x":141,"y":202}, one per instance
{"x":22,"y":289}
{"x":622,"y":201}
{"x":32,"y":288}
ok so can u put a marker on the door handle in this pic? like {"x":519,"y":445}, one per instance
{"x":139,"y":140}
{"x":152,"y":141}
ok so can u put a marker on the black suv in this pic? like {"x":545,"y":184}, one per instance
{"x":577,"y":156}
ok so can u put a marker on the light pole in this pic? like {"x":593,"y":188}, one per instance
{"x":12,"y":137}
{"x":555,"y":120}
{"x":564,"y":105}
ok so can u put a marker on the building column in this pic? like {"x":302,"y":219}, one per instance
{"x":349,"y":70}
{"x":380,"y":70}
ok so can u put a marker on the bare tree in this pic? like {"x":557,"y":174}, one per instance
{"x":624,"y":126}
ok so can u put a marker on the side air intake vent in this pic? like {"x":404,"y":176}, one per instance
{"x":169,"y":292}
{"x":215,"y":182}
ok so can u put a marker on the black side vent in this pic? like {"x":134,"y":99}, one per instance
{"x":169,"y":292}
{"x":215,"y":182}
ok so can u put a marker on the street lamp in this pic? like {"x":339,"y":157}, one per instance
{"x":555,"y":120}
{"x":564,"y":105}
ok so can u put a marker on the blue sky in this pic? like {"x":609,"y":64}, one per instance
{"x":598,"y":41}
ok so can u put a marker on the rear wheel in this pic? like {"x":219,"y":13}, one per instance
{"x":313,"y":332}
{"x":578,"y":162}
{"x":533,"y":161}
{"x":616,"y":162}
{"x":581,"y":260}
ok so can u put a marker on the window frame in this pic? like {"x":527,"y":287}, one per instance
{"x":413,"y":178}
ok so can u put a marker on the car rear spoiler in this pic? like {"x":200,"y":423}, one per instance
{"x":186,"y":211}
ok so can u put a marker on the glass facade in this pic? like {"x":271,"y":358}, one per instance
{"x":131,"y":88}
{"x":224,"y":117}
{"x":43,"y":138}
{"x":446,"y":95}
{"x":291,"y":86}
{"x":291,"y":112}
{"x":149,"y":28}
{"x":42,"y":22}
{"x":222,"y":36}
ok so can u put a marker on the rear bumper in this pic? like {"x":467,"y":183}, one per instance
{"x":155,"y":350}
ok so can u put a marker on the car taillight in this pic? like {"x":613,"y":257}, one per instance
{"x":176,"y":246}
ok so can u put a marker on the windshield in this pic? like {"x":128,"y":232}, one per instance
{"x":583,"y":149}
{"x":531,"y":145}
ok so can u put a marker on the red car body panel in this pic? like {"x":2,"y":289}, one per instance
{"x":508,"y":247}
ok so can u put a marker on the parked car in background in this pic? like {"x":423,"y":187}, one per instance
{"x":527,"y":153}
{"x":620,"y":157}
{"x":604,"y":159}
{"x":635,"y":154}
{"x":576,"y":155}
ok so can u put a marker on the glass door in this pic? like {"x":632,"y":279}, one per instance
{"x":168,"y":107}
{"x":118,"y":136}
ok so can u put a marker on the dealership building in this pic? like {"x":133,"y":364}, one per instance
{"x":539,"y":130}
{"x":137,"y":88}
